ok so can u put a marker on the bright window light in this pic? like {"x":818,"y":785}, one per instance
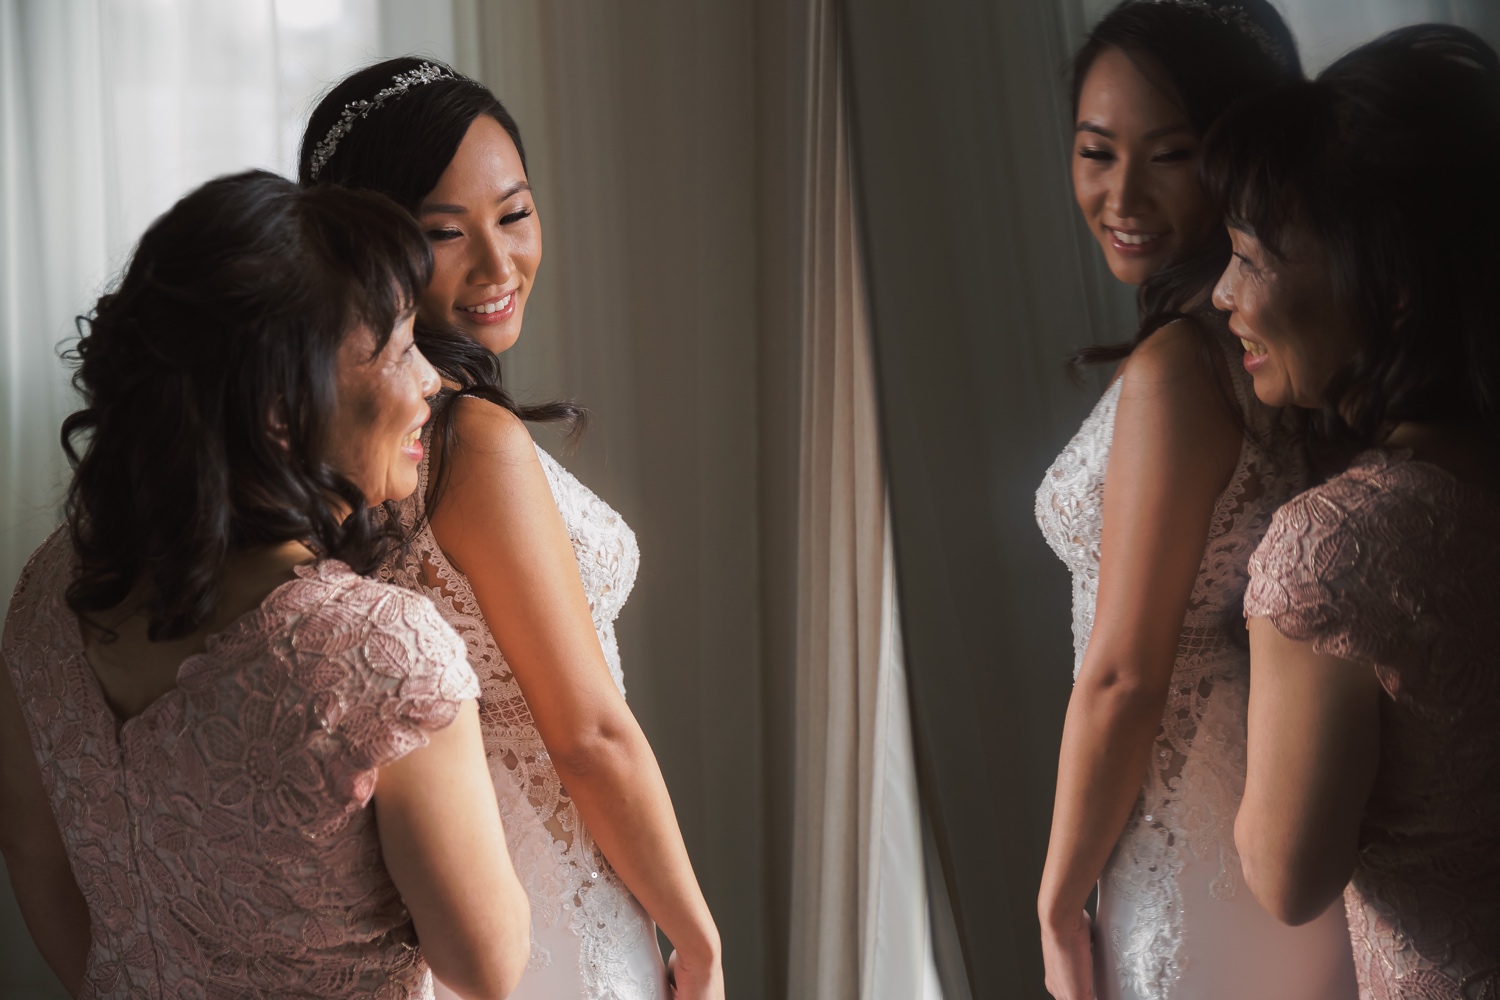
{"x":308,"y":15}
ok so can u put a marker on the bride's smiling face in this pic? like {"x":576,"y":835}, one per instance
{"x":1135,"y":160}
{"x":486,"y":239}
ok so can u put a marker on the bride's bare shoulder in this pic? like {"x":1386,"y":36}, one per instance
{"x":487,"y":428}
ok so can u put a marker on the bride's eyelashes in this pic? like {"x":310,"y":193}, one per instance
{"x":443,"y":235}
{"x":1108,"y":156}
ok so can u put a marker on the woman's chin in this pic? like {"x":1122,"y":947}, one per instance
{"x":1131,"y":271}
{"x":496,"y":339}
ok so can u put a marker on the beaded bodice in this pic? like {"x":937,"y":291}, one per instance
{"x":566,"y":876}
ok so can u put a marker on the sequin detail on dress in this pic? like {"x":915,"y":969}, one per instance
{"x":1393,"y":563}
{"x":222,"y":837}
{"x":567,"y":879}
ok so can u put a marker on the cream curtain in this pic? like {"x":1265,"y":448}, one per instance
{"x":859,"y":924}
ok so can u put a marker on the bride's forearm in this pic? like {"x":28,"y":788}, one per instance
{"x":1106,"y":747}
{"x":614,"y":779}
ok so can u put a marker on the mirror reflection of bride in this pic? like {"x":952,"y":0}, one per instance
{"x":1194,"y":467}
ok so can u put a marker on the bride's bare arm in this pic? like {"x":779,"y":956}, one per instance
{"x":1175,"y":446}
{"x":497,"y":523}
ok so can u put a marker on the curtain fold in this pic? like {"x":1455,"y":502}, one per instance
{"x":859,"y":909}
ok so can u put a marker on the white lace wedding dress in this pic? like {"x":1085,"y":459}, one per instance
{"x":1174,"y":921}
{"x":590,"y":939}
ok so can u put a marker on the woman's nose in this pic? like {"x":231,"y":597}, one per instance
{"x":494,"y":266}
{"x":1128,"y":196}
{"x":1223,"y":296}
{"x":427,"y":376}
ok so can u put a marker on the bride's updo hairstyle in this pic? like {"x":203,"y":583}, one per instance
{"x":208,"y":381}
{"x":400,"y":148}
{"x":1203,"y":55}
{"x":1387,"y":160}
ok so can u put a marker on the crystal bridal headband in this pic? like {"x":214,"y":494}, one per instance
{"x":1234,"y":17}
{"x":400,"y":84}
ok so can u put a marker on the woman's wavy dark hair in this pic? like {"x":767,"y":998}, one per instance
{"x":401,"y":150}
{"x":1387,"y":160}
{"x":1204,"y":57}
{"x":208,"y":381}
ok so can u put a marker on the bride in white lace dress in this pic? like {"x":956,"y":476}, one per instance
{"x":1155,"y":506}
{"x":528,"y":565}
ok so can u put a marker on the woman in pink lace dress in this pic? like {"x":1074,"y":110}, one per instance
{"x":1364,"y":220}
{"x":203,"y":700}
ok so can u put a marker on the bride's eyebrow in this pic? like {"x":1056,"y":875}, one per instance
{"x":1156,"y":133}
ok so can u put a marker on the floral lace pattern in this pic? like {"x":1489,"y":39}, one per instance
{"x":1392,"y":564}
{"x":1197,"y":777}
{"x":566,"y":877}
{"x":221,"y":837}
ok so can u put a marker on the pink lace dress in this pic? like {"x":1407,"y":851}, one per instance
{"x":222,"y":837}
{"x":1393,"y":563}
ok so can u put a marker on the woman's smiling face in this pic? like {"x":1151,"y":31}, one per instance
{"x":1135,"y":160}
{"x":486,"y":239}
{"x":379,"y":409}
{"x":1283,"y":310}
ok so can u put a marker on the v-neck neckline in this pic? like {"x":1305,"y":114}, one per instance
{"x":79,"y":660}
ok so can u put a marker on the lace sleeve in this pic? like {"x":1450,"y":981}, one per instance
{"x":1329,"y":571}
{"x":388,"y":670}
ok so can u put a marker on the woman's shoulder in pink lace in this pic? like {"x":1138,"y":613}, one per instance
{"x":1368,"y":562}
{"x":380,"y":667}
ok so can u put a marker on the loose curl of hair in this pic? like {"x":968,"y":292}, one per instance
{"x":208,"y":381}
{"x":401,"y":150}
{"x":1203,"y":65}
{"x":1387,"y":160}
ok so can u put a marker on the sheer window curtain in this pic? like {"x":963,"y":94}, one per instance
{"x":110,"y":110}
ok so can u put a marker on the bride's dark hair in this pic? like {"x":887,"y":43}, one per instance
{"x":208,"y":382}
{"x":1204,"y":55}
{"x":401,"y":149}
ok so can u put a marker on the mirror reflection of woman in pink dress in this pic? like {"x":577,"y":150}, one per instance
{"x":521,"y":558}
{"x":1362,"y":212}
{"x":1155,"y":507}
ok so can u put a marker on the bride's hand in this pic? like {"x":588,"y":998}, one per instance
{"x":692,"y":980}
{"x":1068,"y":956}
